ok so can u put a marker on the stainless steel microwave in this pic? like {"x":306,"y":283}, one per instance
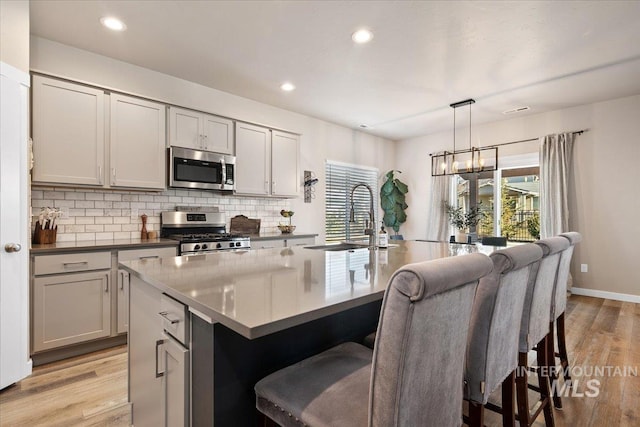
{"x":201,"y":169}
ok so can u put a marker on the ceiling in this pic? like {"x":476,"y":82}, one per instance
{"x":424,"y":55}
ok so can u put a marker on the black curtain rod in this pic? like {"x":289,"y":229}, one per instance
{"x":578,"y":132}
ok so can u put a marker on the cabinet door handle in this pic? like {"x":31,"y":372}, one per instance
{"x":75,"y":264}
{"x":273,"y":187}
{"x":149,"y":257}
{"x":165,"y":315}
{"x":99,"y":174}
{"x":106,"y":285}
{"x":206,"y":142}
{"x":158,"y":344}
{"x":113,"y":176}
{"x":266,"y":187}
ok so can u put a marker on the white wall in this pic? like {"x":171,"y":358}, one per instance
{"x":320,"y":140}
{"x":14,"y":33}
{"x":605,"y":202}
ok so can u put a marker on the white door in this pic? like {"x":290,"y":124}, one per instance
{"x":15,"y":363}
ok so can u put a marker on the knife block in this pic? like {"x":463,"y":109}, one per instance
{"x":44,"y":236}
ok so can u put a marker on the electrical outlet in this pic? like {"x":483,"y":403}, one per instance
{"x":584,"y":268}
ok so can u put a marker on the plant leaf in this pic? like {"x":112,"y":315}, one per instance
{"x":401,"y":186}
{"x":387,"y":188}
{"x":387,"y":203}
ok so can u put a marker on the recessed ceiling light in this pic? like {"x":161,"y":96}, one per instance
{"x":516,"y":110}
{"x":361,"y":36}
{"x":113,"y":23}
{"x":287,"y":87}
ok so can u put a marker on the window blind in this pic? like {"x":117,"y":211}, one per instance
{"x":341,"y":178}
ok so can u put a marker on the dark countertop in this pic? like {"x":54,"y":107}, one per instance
{"x":90,"y":245}
{"x":278,"y":235}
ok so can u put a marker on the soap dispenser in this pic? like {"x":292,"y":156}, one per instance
{"x":383,"y":237}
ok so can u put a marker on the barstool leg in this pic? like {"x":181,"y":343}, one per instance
{"x":522,"y":391}
{"x":562,"y":349}
{"x":476,"y":414}
{"x":545,"y":392}
{"x":508,"y":414}
{"x":552,"y":367}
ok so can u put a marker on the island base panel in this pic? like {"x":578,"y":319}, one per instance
{"x":226,"y":365}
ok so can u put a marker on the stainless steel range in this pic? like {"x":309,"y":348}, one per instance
{"x":200,"y":232}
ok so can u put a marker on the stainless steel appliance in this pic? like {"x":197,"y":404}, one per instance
{"x":201,"y":169}
{"x":200,"y":232}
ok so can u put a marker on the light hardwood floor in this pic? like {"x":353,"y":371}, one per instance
{"x":92,"y":390}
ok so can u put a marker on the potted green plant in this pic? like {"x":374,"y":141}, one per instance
{"x":464,"y":221}
{"x":392,"y":200}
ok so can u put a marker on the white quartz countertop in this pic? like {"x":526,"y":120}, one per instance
{"x":258,"y":292}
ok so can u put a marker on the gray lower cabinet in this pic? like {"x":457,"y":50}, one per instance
{"x":158,"y":364}
{"x":71,"y":308}
{"x":122,"y":301}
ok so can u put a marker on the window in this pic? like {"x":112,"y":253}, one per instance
{"x":341,"y":178}
{"x":512,"y":209}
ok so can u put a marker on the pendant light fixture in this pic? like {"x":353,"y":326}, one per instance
{"x":472,"y":160}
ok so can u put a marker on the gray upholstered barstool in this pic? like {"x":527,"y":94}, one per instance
{"x":413,"y":376}
{"x":492,"y":350}
{"x":558,"y":307}
{"x":534,"y":330}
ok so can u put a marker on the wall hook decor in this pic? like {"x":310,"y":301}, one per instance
{"x":309,"y":181}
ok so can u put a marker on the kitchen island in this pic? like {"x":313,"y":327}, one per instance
{"x":247,"y":314}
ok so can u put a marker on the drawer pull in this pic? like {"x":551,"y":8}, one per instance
{"x":165,"y":315}
{"x":149,"y":257}
{"x":158,"y":344}
{"x":75,"y":264}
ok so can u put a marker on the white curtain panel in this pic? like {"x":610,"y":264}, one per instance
{"x":555,"y":162}
{"x":437,"y":222}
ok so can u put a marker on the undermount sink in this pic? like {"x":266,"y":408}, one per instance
{"x":339,"y":246}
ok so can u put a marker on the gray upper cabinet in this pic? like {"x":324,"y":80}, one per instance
{"x":137,"y":143}
{"x":68,"y":132}
{"x":284,"y":164}
{"x":267,"y":162}
{"x":253,"y":159}
{"x":70,"y":122}
{"x":200,"y":131}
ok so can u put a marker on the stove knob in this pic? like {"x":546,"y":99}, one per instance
{"x":204,"y":247}
{"x":238,"y":244}
{"x":230,"y":244}
{"x":196,"y":247}
{"x":218,"y":245}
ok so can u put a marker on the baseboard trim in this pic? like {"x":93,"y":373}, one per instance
{"x":607,"y":295}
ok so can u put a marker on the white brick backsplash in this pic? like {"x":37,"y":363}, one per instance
{"x":72,"y":195}
{"x":53,"y":195}
{"x":114,"y":197}
{"x":94,"y":196}
{"x":85,"y":236}
{"x":84,"y":204}
{"x":102,"y":214}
